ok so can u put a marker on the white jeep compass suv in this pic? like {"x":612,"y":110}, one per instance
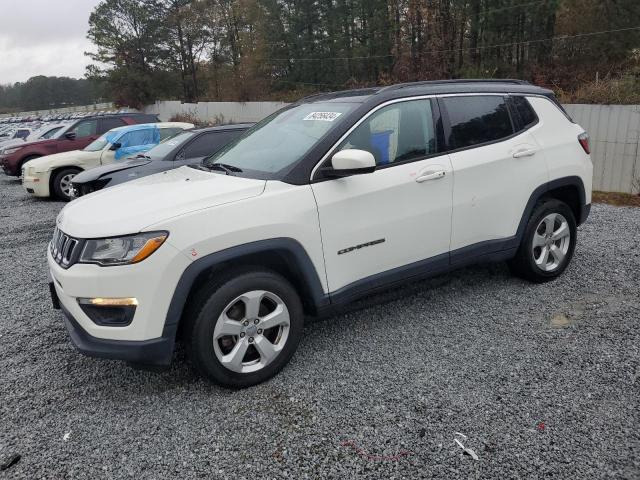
{"x":327,"y":200}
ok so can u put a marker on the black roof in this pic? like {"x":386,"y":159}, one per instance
{"x":430,"y":87}
{"x":231,"y":126}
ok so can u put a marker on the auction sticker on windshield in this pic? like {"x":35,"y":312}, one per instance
{"x":322,"y":116}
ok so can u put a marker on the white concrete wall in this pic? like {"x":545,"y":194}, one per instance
{"x":615,"y":144}
{"x":614,"y":131}
{"x":225,"y":112}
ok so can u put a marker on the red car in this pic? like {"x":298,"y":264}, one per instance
{"x":75,"y":137}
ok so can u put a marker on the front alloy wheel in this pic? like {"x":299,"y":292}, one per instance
{"x":62,"y":183}
{"x":251,"y":331}
{"x":242,"y":328}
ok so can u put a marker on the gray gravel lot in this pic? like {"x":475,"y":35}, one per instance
{"x":543,"y":379}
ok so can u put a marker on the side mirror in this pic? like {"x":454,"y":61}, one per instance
{"x":115,"y":146}
{"x":70,"y":135}
{"x":350,"y":162}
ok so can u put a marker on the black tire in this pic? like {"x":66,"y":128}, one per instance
{"x":204,"y":313}
{"x":57,"y":187}
{"x":524,"y":263}
{"x":27,"y":159}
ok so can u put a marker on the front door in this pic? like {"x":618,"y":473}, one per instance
{"x":85,"y":133}
{"x":396,"y":216}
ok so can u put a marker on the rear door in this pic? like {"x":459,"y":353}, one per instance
{"x":497,"y":164}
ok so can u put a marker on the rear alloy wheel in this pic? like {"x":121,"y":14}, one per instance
{"x":551,"y":242}
{"x":244,"y":328}
{"x":62,"y":183}
{"x":547,"y":244}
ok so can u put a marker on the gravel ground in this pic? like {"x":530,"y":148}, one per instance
{"x":544,"y":380}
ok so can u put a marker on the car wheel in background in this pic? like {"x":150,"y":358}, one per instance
{"x":61,"y":184}
{"x":28,"y":159}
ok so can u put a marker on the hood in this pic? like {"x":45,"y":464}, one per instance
{"x":131,"y":207}
{"x":38,"y":142}
{"x":96,"y":173}
{"x":11,"y":143}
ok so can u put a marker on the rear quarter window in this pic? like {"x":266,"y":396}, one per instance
{"x":523,"y":111}
{"x":474,"y":120}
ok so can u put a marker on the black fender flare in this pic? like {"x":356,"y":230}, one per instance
{"x":542,"y":190}
{"x":291,"y":248}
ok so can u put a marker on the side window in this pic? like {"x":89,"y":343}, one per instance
{"x":524,"y":111}
{"x":147,"y":136}
{"x":399,"y":132}
{"x":209,"y":143}
{"x":107,"y":124}
{"x":86,"y":128}
{"x":51,"y":132}
{"x":477,"y":119}
{"x":169,"y":132}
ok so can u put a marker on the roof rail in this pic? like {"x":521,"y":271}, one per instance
{"x":454,"y":81}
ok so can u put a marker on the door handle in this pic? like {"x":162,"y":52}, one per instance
{"x":525,"y":153}
{"x":431,"y":176}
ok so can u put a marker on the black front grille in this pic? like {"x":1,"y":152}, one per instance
{"x":65,"y":250}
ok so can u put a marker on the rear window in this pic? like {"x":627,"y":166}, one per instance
{"x":477,"y":119}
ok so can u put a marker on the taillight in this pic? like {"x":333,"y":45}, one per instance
{"x":583,"y":138}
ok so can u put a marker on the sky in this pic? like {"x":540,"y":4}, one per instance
{"x":43,"y":37}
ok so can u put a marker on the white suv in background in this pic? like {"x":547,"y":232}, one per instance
{"x":323,"y":202}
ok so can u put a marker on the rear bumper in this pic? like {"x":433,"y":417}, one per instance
{"x":157,"y":352}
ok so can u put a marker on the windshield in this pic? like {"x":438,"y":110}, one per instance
{"x":161,"y":150}
{"x":97,"y":145}
{"x":277,"y":143}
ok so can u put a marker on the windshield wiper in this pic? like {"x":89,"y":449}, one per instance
{"x":142,"y":155}
{"x":227,"y":169}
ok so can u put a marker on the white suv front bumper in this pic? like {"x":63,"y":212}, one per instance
{"x":151,"y":282}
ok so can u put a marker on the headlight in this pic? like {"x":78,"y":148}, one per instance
{"x":122,"y":250}
{"x":9,"y":151}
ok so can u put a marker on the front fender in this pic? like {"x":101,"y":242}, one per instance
{"x":293,"y":251}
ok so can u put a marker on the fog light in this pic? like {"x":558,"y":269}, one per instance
{"x":110,"y":302}
{"x":109,"y":312}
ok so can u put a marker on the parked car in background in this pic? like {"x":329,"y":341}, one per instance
{"x":52,"y":175}
{"x":77,"y":136}
{"x":18,"y":135}
{"x":324,"y":202}
{"x":186,"y":148}
{"x":43,"y":133}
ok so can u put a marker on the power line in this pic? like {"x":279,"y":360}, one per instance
{"x":498,"y":45}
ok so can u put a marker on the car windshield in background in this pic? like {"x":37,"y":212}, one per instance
{"x":97,"y":145}
{"x":161,"y":150}
{"x":274,"y":145}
